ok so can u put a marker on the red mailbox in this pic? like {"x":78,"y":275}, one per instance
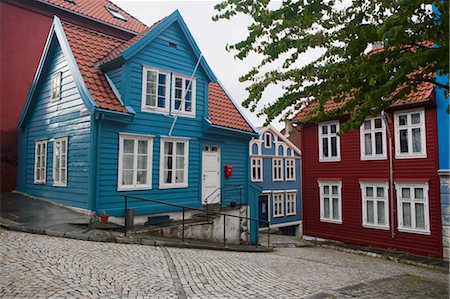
{"x":228,"y":171}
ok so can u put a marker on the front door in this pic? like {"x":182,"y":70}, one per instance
{"x":263,"y":210}
{"x":210,"y":175}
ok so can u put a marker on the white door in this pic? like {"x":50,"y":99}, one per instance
{"x":210,"y":175}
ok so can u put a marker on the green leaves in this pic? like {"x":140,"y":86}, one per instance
{"x":340,"y":33}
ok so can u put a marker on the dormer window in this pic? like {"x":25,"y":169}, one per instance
{"x":70,"y":1}
{"x":115,"y":13}
{"x":155,"y":91}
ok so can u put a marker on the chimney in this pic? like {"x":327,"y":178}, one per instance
{"x":287,"y":127}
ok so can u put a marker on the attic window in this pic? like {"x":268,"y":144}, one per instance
{"x":71,"y":1}
{"x":172,"y":45}
{"x":115,"y":13}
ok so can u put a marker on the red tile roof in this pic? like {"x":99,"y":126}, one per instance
{"x":95,"y":9}
{"x":423,"y":93}
{"x":88,"y":47}
{"x":222,"y":111}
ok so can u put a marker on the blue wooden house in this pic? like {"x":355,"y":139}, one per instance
{"x":275,"y":167}
{"x":144,"y":117}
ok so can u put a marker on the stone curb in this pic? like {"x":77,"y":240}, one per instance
{"x":145,"y":242}
{"x":391,"y":258}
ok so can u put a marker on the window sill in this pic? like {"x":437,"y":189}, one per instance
{"x":291,"y":214}
{"x":39,"y":183}
{"x":374,"y":226}
{"x":277,"y":216}
{"x":155,"y":110}
{"x":134,"y":188}
{"x":330,"y":160}
{"x":410,"y":156}
{"x":256,"y":181}
{"x":373,"y":158}
{"x":277,"y":180}
{"x":331,"y":221}
{"x":290,"y":180}
{"x":59,"y":184}
{"x":181,"y":113}
{"x":162,"y":186}
{"x":414,"y":231}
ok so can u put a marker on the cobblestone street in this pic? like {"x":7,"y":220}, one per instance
{"x":33,"y":266}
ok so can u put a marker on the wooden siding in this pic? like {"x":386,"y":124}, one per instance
{"x":350,"y":169}
{"x":58,"y":119}
{"x":234,"y":150}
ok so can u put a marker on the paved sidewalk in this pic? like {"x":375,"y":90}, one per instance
{"x":22,"y":213}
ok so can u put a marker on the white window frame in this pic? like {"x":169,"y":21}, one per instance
{"x":372,"y":131}
{"x":277,"y":201}
{"x":410,"y":154}
{"x":60,"y":183}
{"x":329,"y":135}
{"x":291,"y":198}
{"x":42,"y":168}
{"x":322,"y":184}
{"x":258,"y":145}
{"x":256,"y":163}
{"x":116,"y":13}
{"x":279,"y":167}
{"x":184,"y":184}
{"x":193,"y":86}
{"x":413,"y":201}
{"x":55,"y":87}
{"x":375,"y":200}
{"x":268,"y":144}
{"x":288,"y":168}
{"x":155,"y":109}
{"x":136,"y":138}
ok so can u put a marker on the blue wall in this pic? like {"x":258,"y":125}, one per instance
{"x":443,"y":119}
{"x":50,"y":120}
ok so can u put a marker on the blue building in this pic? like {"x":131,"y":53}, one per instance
{"x":275,"y":167}
{"x":144,"y":117}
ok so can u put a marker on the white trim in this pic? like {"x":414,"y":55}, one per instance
{"x":136,"y":138}
{"x":181,"y":111}
{"x":268,"y":144}
{"x":272,"y":156}
{"x":260,"y":167}
{"x":281,"y":169}
{"x":375,"y":199}
{"x":294,"y":203}
{"x":413,"y":201}
{"x":282,"y":137}
{"x":328,"y":136}
{"x":60,"y":183}
{"x":218,"y":195}
{"x":409,"y":127}
{"x":155,"y":109}
{"x":293,"y":178}
{"x":372,"y":131}
{"x":281,"y":204}
{"x":322,"y":184}
{"x":43,"y":159}
{"x":258,"y":143}
{"x":175,"y":140}
{"x":56,"y":79}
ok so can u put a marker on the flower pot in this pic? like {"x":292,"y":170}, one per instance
{"x":104,"y":218}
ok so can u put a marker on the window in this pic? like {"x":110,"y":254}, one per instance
{"x":256,"y":169}
{"x":60,"y":162}
{"x":155,"y":91}
{"x":410,"y":134}
{"x":375,"y":205}
{"x":277,"y":169}
{"x":291,"y":203}
{"x":290,"y":169}
{"x":115,"y":13}
{"x":330,"y":201}
{"x":373,"y":139}
{"x":329,"y":142}
{"x":40,"y":162}
{"x":135,"y":162}
{"x":412,"y":207}
{"x":174,"y":163}
{"x":183,"y":88}
{"x":55,"y":89}
{"x":267,"y":140}
{"x":278,"y":204}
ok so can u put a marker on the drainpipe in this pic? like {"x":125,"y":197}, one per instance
{"x":386,"y":117}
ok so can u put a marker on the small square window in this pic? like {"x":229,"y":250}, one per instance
{"x":378,"y":124}
{"x":415,"y":118}
{"x":116,"y":13}
{"x":403,"y":120}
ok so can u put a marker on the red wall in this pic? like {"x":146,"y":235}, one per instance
{"x":23,"y":36}
{"x":350,"y":169}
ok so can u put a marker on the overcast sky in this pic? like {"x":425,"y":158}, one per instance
{"x":211,"y":37}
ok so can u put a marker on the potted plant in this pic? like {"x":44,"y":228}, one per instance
{"x":103,"y":217}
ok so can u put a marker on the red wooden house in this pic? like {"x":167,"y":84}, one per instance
{"x":358,"y":189}
{"x":23,"y":33}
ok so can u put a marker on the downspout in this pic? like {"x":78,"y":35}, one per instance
{"x":385,"y":117}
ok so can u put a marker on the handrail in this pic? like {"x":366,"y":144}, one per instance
{"x":126,"y":196}
{"x":237,"y":187}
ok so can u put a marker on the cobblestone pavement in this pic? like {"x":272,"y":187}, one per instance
{"x":35,"y":266}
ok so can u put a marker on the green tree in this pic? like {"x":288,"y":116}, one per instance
{"x":341,"y":32}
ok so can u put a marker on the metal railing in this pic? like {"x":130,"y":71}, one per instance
{"x":186,"y":208}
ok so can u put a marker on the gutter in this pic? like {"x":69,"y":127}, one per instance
{"x":234,"y":130}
